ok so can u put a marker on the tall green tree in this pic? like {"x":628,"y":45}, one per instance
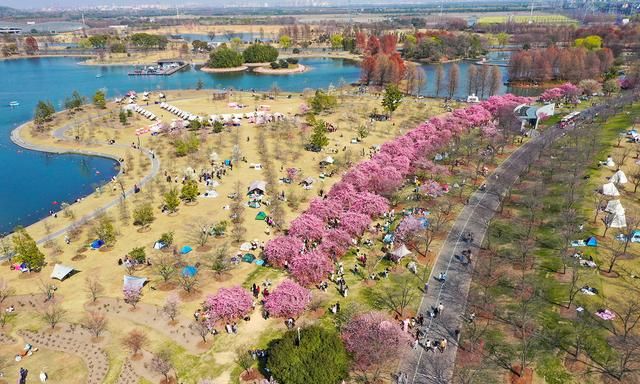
{"x":44,"y":112}
{"x":392,"y":98}
{"x":319,"y":137}
{"x":189,"y":191}
{"x":100,"y":99}
{"x":74,"y":102}
{"x":143,"y":215}
{"x":224,"y":57}
{"x":172,"y":200}
{"x":27,"y":250}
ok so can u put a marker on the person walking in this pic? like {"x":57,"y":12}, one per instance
{"x":43,"y":376}
{"x":440,"y":308}
{"x":443,"y":345}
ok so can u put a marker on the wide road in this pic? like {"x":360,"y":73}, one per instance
{"x":423,"y":366}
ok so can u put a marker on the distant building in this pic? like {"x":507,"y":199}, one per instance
{"x":10,"y":30}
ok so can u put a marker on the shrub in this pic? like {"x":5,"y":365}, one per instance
{"x":296,"y":51}
{"x":275,"y":65}
{"x":138,"y":254}
{"x":292,"y":61}
{"x":260,"y":53}
{"x":319,"y":357}
{"x":283,"y":64}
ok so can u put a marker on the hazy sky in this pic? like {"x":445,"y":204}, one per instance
{"x":72,"y":3}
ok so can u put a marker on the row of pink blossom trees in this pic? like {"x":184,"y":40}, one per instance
{"x":567,"y":91}
{"x":314,"y":240}
{"x":288,"y":300}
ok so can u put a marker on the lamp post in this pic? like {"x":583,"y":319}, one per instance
{"x":298,"y":336}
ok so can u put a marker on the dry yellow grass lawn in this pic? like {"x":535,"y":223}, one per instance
{"x":285,"y":148}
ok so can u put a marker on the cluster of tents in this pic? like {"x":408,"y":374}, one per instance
{"x":138,"y":109}
{"x":180,"y":113}
{"x":615,"y":211}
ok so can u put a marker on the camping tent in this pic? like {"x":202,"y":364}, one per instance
{"x":60,"y":271}
{"x":327,"y":160}
{"x":610,"y":189}
{"x":134,"y":282}
{"x":248,"y":258}
{"x":261,"y":215}
{"x":591,"y":242}
{"x":400,"y":252}
{"x":97,"y":244}
{"x":246,"y":246}
{"x":616,"y":216}
{"x":189,"y":271}
{"x":259,"y":187}
{"x":619,"y":177}
{"x":186,"y":249}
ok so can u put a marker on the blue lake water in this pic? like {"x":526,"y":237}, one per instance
{"x":32,"y":181}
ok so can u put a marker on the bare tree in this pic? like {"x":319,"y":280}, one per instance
{"x":243,"y":359}
{"x":454,"y":79}
{"x":614,"y":254}
{"x":96,"y":322}
{"x":574,"y":283}
{"x":135,"y":340}
{"x":201,"y":328}
{"x":634,"y":176}
{"x":53,"y":314}
{"x":398,"y":297}
{"x":598,"y":200}
{"x":94,"y":288}
{"x":161,"y":363}
{"x":439,"y":79}
{"x":48,"y":290}
{"x":6,"y":290}
{"x":188,"y":282}
{"x":164,"y":266}
{"x":170,"y":307}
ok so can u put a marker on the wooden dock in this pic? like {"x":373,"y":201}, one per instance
{"x":168,"y":72}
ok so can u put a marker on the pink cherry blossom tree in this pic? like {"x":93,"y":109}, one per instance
{"x":282,"y":249}
{"x":335,"y":243}
{"x":289,"y":299}
{"x":375,"y":341}
{"x":228,"y":304}
{"x":132,"y":295}
{"x":307,"y":227}
{"x":310,"y":268}
{"x":354,"y":223}
{"x":408,"y":228}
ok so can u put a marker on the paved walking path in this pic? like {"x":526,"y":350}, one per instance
{"x":424,"y":366}
{"x":60,"y":135}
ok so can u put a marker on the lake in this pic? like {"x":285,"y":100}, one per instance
{"x":33,"y":181}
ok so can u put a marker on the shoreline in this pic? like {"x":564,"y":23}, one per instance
{"x":224,"y":70}
{"x":19,"y":140}
{"x":25,"y":57}
{"x":288,"y":71}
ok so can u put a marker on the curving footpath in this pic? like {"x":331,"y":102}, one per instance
{"x":60,"y":135}
{"x":423,"y":366}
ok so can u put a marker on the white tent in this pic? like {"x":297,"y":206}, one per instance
{"x":400,"y":252}
{"x":614,"y":206}
{"x":60,"y":271}
{"x":213,"y":156}
{"x":617,"y":220}
{"x":258,"y":186}
{"x":327,"y":160}
{"x":134,"y":282}
{"x":610,"y":189}
{"x":619,"y":177}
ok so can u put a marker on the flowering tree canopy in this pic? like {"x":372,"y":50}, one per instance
{"x":310,"y":268}
{"x":354,"y":223}
{"x":281,"y":250}
{"x":374,"y":340}
{"x":307,"y":227}
{"x":289,"y":299}
{"x":228,"y":304}
{"x":408,"y":227}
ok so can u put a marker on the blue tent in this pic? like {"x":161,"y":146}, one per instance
{"x":592,"y":242}
{"x":388,"y":238}
{"x":186,"y":249}
{"x":97,"y":244}
{"x":189,"y":271}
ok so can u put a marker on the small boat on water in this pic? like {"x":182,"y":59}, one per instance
{"x":13,"y":103}
{"x":98,"y":75}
